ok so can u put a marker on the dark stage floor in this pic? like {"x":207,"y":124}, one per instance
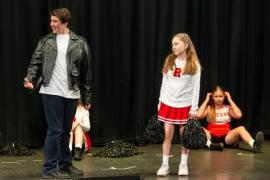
{"x":203,"y":164}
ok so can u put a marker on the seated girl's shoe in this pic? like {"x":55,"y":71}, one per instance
{"x":77,"y":154}
{"x":216,"y":146}
{"x":258,"y":142}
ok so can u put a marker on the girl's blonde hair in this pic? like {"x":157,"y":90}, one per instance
{"x":211,"y":115}
{"x":192,"y":58}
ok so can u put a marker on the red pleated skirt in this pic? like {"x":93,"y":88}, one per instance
{"x":173,"y":115}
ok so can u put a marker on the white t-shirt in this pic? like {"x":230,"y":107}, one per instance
{"x":58,"y":84}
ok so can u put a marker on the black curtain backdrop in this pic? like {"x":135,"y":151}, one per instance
{"x":129,"y":40}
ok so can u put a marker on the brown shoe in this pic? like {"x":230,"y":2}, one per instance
{"x":73,"y":170}
{"x":56,"y":175}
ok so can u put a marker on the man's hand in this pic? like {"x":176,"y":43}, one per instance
{"x":87,"y":106}
{"x":27,"y":84}
{"x":192,"y":116}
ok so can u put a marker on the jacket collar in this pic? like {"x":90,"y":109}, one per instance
{"x":52,"y":40}
{"x":73,"y":36}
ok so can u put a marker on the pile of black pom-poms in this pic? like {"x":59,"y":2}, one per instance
{"x":117,"y":149}
{"x":15,"y":150}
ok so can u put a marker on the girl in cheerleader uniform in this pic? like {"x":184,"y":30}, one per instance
{"x":179,"y":95}
{"x":218,"y":114}
{"x":79,"y":133}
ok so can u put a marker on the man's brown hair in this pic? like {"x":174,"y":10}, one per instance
{"x":62,"y":13}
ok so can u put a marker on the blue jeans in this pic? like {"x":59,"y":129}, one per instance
{"x":59,"y":113}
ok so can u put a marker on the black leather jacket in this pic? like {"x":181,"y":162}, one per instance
{"x":78,"y":64}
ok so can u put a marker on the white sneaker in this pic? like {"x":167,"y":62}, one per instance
{"x":183,"y":170}
{"x":163,"y":170}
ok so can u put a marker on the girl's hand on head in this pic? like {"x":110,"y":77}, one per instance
{"x":208,"y":96}
{"x":227,"y":94}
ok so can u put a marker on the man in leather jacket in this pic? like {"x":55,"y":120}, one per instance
{"x":61,"y":64}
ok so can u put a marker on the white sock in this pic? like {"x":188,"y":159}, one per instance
{"x":78,"y":146}
{"x":184,"y":158}
{"x":208,"y":143}
{"x":165,"y":159}
{"x":251,"y":142}
{"x":70,"y":147}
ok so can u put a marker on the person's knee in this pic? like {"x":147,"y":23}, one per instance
{"x":168,"y":137}
{"x":242,"y":128}
{"x":78,"y":129}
